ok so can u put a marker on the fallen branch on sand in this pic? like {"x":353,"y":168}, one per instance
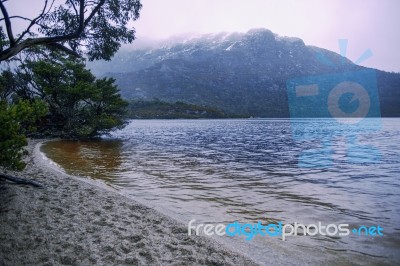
{"x":21,"y":181}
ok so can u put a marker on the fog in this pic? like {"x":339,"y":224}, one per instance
{"x":367,"y":24}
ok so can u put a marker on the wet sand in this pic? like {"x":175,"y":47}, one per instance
{"x":75,"y":222}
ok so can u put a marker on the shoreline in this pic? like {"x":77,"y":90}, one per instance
{"x":79,"y":221}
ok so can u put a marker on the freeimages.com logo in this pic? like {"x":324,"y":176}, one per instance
{"x":347,"y":101}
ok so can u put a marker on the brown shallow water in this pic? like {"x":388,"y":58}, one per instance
{"x":96,"y":159}
{"x":220,"y":171}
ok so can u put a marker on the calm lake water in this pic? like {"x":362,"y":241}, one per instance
{"x":221,"y":171}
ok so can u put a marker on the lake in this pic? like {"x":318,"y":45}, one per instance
{"x":249,"y":170}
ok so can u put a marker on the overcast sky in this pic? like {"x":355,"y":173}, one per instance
{"x":372,"y":24}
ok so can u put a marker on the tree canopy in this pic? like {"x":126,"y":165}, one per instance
{"x":80,"y":106}
{"x":49,"y":87}
{"x":95,"y":28}
{"x":57,"y":96}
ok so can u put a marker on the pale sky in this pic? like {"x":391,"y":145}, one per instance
{"x":373,"y":24}
{"x":367,"y":24}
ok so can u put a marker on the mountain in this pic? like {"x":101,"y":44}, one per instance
{"x":241,"y":73}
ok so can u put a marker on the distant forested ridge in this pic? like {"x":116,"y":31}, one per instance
{"x":156,"y":109}
{"x":240,"y":73}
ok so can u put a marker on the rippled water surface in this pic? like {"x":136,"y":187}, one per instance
{"x":220,"y":171}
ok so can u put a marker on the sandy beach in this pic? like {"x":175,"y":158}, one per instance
{"x":73,"y":222}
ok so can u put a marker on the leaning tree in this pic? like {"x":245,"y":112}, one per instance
{"x":91,"y":28}
{"x":94,"y":28}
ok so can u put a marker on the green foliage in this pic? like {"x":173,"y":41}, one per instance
{"x":67,"y":98}
{"x":6,"y":84}
{"x":16,"y":121}
{"x":80,"y":106}
{"x":3,"y":40}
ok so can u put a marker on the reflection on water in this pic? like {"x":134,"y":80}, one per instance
{"x":219,"y":171}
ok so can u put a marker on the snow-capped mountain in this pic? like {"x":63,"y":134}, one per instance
{"x":242,"y":73}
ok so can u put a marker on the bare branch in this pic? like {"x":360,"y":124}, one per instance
{"x":48,"y":41}
{"x":51,"y":6}
{"x":94,"y":11}
{"x":64,"y":49}
{"x":81,"y":15}
{"x":35,"y":20}
{"x":13,"y":50}
{"x":20,"y":17}
{"x":86,"y":7}
{"x":21,"y":181}
{"x":74,"y":7}
{"x":8,"y":24}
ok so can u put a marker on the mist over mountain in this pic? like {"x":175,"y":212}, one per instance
{"x":239,"y":73}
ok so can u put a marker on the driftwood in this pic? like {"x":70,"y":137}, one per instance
{"x":21,"y":181}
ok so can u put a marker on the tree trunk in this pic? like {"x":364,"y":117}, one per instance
{"x":21,"y":181}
